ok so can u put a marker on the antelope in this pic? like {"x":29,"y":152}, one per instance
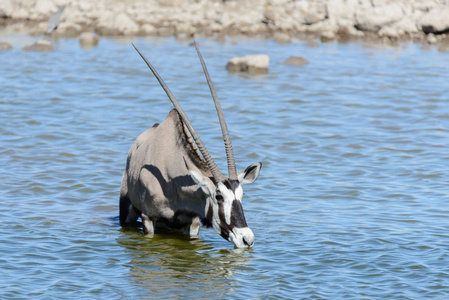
{"x":167,"y":181}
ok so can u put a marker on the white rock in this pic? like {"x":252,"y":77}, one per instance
{"x":327,"y":36}
{"x":435,"y":21}
{"x":327,"y":27}
{"x":375,"y":18}
{"x":431,"y":38}
{"x":85,"y":5}
{"x":109,"y":23}
{"x":148,"y":29}
{"x":340,"y":9}
{"x":254,"y":64}
{"x":315,"y":13}
{"x":6,"y":8}
{"x":389,"y":31}
{"x":346,"y":27}
{"x":406,"y":25}
{"x":125,"y":24}
{"x":45,"y":8}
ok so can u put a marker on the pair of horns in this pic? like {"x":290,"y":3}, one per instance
{"x":227,"y":141}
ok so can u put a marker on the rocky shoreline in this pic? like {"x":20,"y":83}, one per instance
{"x":421,"y":21}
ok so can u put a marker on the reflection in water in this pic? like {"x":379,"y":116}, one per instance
{"x":172,"y":265}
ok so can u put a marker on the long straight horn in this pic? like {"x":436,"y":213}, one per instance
{"x":224,"y":128}
{"x":207,"y":157}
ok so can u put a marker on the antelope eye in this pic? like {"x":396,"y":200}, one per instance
{"x":219,"y":198}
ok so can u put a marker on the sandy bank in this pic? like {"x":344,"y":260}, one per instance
{"x":393,"y":20}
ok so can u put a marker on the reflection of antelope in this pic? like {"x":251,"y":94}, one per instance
{"x":166,"y":179}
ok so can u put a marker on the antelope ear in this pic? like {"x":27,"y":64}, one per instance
{"x":203,"y":181}
{"x":250,"y":174}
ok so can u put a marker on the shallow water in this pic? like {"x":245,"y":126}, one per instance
{"x":352,"y":201}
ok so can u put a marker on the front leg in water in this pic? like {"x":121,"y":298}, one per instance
{"x":148,"y":225}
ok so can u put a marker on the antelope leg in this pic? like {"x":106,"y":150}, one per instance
{"x":194,"y":227}
{"x":147,"y":224}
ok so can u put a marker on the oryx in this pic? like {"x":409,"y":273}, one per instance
{"x":166,"y":179}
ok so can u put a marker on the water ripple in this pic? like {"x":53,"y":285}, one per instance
{"x":351,"y":202}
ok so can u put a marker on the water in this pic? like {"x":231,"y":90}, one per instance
{"x":352,"y":201}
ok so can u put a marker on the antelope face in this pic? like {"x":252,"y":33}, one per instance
{"x":228,"y":217}
{"x":224,"y":207}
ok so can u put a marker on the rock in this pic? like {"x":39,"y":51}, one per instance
{"x":44,"y":8}
{"x":121,"y":24}
{"x":312,"y":18}
{"x":325,"y":19}
{"x":326,"y":25}
{"x":148,"y":29}
{"x":375,"y":18}
{"x":435,"y":21}
{"x":269,"y":16}
{"x":88,"y":40}
{"x":341,"y":10}
{"x":5,"y":46}
{"x":254,"y":64}
{"x":126,"y":25}
{"x":431,"y":38}
{"x":398,"y":29}
{"x":327,"y":36}
{"x":389,"y":32}
{"x":6,"y":9}
{"x":41,"y":45}
{"x":296,"y":61}
{"x":282,"y":38}
{"x":407,"y":25}
{"x":314,"y":13}
{"x":184,"y":31}
{"x":346,"y":29}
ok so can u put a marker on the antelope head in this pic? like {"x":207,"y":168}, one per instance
{"x":224,"y":204}
{"x":223,"y":194}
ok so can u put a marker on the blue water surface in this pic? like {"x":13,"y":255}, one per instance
{"x":352,"y":201}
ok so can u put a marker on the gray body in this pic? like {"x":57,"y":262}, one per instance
{"x":156,"y":181}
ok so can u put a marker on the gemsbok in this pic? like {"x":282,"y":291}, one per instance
{"x":166,"y":180}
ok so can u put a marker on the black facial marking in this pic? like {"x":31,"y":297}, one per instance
{"x":237,"y":215}
{"x":225,"y":229}
{"x":232,"y":184}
